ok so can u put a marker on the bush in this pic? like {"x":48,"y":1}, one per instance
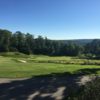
{"x":91,"y":91}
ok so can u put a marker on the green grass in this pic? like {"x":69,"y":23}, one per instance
{"x":12,"y":66}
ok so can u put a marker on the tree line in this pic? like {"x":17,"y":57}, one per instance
{"x":28,"y":44}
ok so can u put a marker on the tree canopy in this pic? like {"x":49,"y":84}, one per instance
{"x":28,"y":44}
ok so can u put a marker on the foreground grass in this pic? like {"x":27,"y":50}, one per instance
{"x":14,"y":67}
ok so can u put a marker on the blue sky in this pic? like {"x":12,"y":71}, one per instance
{"x":56,"y":19}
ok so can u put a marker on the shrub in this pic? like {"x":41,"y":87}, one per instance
{"x":91,"y":91}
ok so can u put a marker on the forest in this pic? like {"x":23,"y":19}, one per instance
{"x":26,"y":43}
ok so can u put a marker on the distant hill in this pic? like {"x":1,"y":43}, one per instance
{"x":77,"y":41}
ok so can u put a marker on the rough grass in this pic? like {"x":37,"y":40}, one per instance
{"x":12,"y":67}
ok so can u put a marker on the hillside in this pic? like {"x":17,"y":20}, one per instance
{"x":78,"y":41}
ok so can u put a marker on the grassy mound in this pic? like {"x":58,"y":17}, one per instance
{"x":14,"y":54}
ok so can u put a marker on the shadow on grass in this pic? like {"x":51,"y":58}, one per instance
{"x":55,"y":86}
{"x":87,"y":71}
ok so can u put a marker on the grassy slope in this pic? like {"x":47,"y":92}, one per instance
{"x":11,"y":67}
